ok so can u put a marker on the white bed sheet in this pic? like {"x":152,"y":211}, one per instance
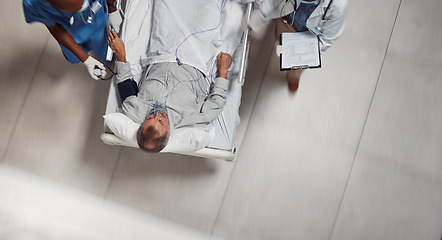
{"x":147,"y":42}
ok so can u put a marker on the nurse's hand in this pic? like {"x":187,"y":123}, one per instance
{"x":115,"y":20}
{"x":117,"y":45}
{"x":92,"y":64}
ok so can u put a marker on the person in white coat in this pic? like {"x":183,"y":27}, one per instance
{"x":325,"y":18}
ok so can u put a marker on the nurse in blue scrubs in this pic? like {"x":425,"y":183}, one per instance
{"x":79,"y":26}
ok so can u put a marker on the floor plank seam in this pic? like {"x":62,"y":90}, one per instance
{"x":365,"y":123}
{"x":106,"y":192}
{"x":245,"y":133}
{"x":22,"y":106}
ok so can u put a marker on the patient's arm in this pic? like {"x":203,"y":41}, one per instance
{"x":214,"y":103}
{"x":117,"y":45}
{"x":126,"y":85}
{"x":224,"y":60}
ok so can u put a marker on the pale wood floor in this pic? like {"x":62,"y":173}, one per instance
{"x":355,"y":154}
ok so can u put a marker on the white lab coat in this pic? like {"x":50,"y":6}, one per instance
{"x":332,"y":26}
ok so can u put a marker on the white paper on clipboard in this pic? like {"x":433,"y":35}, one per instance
{"x":300,"y":50}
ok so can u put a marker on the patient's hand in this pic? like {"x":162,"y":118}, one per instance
{"x":117,"y":45}
{"x":224,"y":61}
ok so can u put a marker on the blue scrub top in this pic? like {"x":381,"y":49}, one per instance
{"x":42,"y":11}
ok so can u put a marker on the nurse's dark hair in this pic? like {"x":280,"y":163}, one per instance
{"x":147,"y":141}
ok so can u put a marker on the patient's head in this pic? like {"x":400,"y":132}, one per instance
{"x":153,"y":134}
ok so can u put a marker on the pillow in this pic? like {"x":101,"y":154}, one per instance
{"x":181,"y":140}
{"x":122,"y":126}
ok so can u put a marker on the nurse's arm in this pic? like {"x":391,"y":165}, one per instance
{"x":64,"y":38}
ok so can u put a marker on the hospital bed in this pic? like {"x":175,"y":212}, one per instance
{"x":217,"y":139}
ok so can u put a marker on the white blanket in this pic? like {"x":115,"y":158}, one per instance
{"x":150,"y":36}
{"x":201,"y":27}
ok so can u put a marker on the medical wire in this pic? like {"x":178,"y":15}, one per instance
{"x":181,"y":64}
{"x":294,"y":7}
{"x":203,"y":31}
{"x":193,"y":34}
{"x":113,"y":73}
{"x":194,"y":79}
{"x":89,"y":18}
{"x":183,"y":81}
{"x":165,"y":98}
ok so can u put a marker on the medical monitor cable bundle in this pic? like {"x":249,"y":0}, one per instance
{"x":203,"y":31}
{"x":86,"y":5}
{"x":195,"y":33}
{"x":97,"y":72}
{"x":163,"y":101}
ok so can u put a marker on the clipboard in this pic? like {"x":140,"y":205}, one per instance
{"x":299,"y":50}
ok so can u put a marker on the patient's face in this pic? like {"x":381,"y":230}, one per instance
{"x":159,"y":122}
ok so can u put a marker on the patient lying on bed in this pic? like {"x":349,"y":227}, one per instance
{"x":169,"y":96}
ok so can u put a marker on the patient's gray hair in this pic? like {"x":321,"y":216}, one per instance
{"x":148,"y":142}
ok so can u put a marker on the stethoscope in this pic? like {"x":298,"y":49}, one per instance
{"x":318,"y":29}
{"x":86,"y":5}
